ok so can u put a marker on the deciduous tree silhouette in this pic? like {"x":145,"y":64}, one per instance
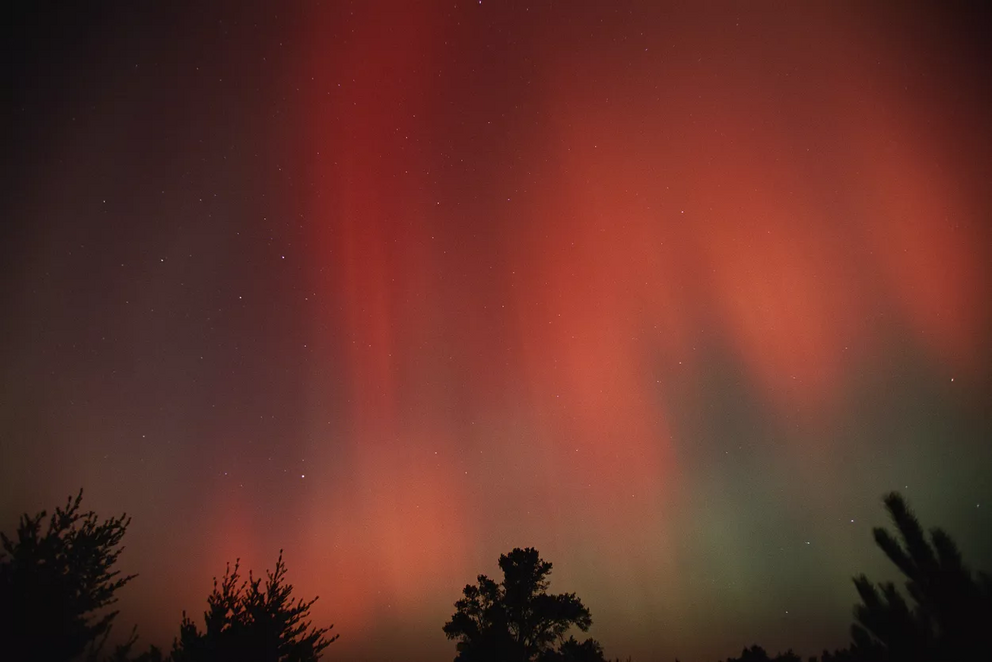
{"x":54,"y":583}
{"x":572,"y":650}
{"x":950,"y":614}
{"x":517,"y":619}
{"x":246,"y":623}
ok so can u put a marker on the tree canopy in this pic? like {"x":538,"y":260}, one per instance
{"x":245,"y":622}
{"x":949,"y":612}
{"x":758,"y":654}
{"x":517,"y":619}
{"x":57,"y":581}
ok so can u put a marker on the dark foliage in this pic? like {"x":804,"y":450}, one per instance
{"x":123,"y":652}
{"x":248,"y":623}
{"x":757,"y":654}
{"x":949,"y":612}
{"x":948,"y":616}
{"x":572,"y":650}
{"x":517,"y":619}
{"x":56,"y":584}
{"x":840,"y":655}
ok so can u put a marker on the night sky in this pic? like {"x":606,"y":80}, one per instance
{"x":672,"y":293}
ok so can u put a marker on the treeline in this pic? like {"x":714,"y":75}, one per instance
{"x":58,"y":584}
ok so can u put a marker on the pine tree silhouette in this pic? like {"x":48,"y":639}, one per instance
{"x":53,"y":584}
{"x":950,"y":617}
{"x":245,"y":623}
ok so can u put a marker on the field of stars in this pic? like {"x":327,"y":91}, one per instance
{"x":673,"y":292}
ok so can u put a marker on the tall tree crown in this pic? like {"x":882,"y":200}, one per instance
{"x":949,"y":611}
{"x":517,"y":619}
{"x":246,"y":622}
{"x":54,"y":583}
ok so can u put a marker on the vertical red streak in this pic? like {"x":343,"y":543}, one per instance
{"x":733,"y":211}
{"x":398,"y":509}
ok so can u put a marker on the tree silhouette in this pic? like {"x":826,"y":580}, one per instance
{"x":52,"y":584}
{"x":123,"y":652}
{"x":572,"y":650}
{"x":840,"y":655}
{"x":517,"y":619}
{"x":951,"y":614}
{"x":245,"y":623}
{"x":758,"y":654}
